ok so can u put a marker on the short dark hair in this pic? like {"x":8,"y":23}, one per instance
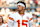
{"x":22,"y":3}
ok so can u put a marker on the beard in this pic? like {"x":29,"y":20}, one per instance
{"x":0,"y":22}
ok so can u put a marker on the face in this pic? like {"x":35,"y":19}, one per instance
{"x":0,"y":20}
{"x":20,"y":8}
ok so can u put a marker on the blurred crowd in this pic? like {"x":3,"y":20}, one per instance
{"x":34,"y":3}
{"x":29,"y":3}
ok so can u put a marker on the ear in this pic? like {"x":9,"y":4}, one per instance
{"x":23,"y":7}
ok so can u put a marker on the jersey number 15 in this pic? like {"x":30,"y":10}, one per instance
{"x":22,"y":23}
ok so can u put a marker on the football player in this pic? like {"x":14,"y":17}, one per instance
{"x":20,"y":18}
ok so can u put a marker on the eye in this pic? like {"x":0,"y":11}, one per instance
{"x":19,"y":5}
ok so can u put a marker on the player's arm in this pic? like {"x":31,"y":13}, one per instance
{"x":10,"y":17}
{"x":31,"y":18}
